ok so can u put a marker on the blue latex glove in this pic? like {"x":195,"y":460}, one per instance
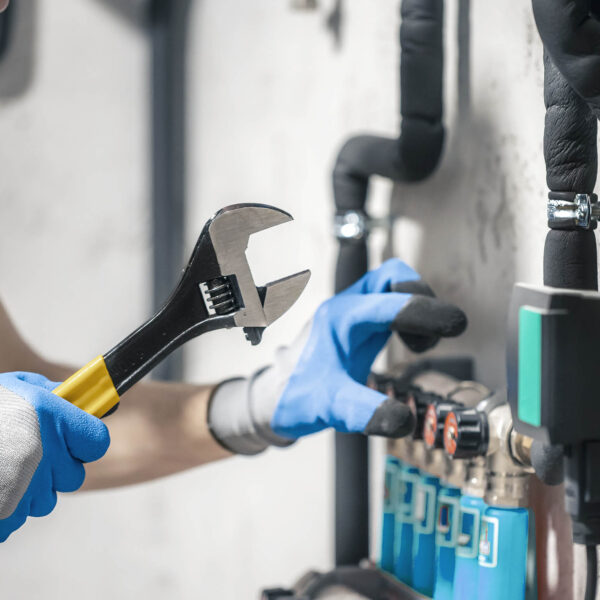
{"x":44,"y":441}
{"x":319,"y":380}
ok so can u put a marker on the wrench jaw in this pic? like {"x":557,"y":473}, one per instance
{"x":280,"y":295}
{"x":229,"y":232}
{"x":276,"y":298}
{"x":217,"y":290}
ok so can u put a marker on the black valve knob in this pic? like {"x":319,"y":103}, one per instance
{"x":435,"y":417}
{"x":466,"y":433}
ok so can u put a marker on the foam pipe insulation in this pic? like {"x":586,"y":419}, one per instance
{"x":415,"y":153}
{"x":410,"y":157}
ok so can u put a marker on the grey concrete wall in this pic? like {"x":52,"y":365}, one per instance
{"x":272,"y":98}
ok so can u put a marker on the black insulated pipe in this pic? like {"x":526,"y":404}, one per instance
{"x":414,"y":155}
{"x":570,"y":30}
{"x":570,"y":150}
{"x":411,"y":157}
{"x":571,"y":35}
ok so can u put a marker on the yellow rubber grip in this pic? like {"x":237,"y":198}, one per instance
{"x":91,"y":388}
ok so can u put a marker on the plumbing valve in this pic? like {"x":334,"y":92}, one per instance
{"x":433,"y":427}
{"x":487,"y":431}
{"x":466,"y":433}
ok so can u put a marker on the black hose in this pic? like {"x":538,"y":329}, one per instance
{"x":414,"y":155}
{"x":592,"y":572}
{"x":570,"y":30}
{"x":411,"y":157}
{"x":570,"y":143}
{"x":571,"y":154}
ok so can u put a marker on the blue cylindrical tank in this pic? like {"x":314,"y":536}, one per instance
{"x":503,"y":553}
{"x":423,"y":575}
{"x":405,"y":518}
{"x":390,"y":501}
{"x":466,"y":569}
{"x":447,"y":524}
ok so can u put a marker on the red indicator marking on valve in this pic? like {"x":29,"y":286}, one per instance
{"x":450,"y":433}
{"x":430,"y":426}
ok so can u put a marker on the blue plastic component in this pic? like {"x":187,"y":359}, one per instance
{"x":503,"y":553}
{"x":390,"y":502}
{"x":447,"y":528}
{"x":423,"y":576}
{"x":466,"y":569}
{"x":405,"y":519}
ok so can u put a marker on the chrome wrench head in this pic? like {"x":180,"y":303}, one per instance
{"x":229,"y":231}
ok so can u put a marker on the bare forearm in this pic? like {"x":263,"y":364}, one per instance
{"x":159,"y":429}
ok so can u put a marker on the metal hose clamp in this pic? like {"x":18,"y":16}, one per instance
{"x":354,"y":225}
{"x":350,"y":226}
{"x":569,"y":210}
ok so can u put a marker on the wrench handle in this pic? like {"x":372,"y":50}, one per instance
{"x":91,"y":388}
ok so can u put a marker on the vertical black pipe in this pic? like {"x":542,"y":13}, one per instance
{"x":410,"y":157}
{"x":570,"y":151}
{"x":168,"y":30}
{"x":351,"y":450}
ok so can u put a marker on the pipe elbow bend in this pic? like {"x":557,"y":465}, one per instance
{"x":571,"y":35}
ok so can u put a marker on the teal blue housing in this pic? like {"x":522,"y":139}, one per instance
{"x":447,"y":527}
{"x":405,"y":518}
{"x":530,"y":366}
{"x":503,"y":554}
{"x":423,"y":576}
{"x":390,"y":498}
{"x":466,"y":569}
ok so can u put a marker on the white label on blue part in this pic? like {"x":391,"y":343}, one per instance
{"x":390,"y":483}
{"x":488,"y":542}
{"x":468,"y":538}
{"x":407,"y":507}
{"x":425,"y":508}
{"x":447,"y":521}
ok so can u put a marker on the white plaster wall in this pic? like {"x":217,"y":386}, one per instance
{"x":271,"y":100}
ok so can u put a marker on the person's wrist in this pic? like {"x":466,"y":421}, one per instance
{"x":230,"y":421}
{"x":240,"y":412}
{"x":265,"y":389}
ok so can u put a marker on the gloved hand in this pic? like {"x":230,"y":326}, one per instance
{"x":44,"y":441}
{"x":319,"y":381}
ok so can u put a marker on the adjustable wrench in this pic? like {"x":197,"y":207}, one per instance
{"x":216,"y":291}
